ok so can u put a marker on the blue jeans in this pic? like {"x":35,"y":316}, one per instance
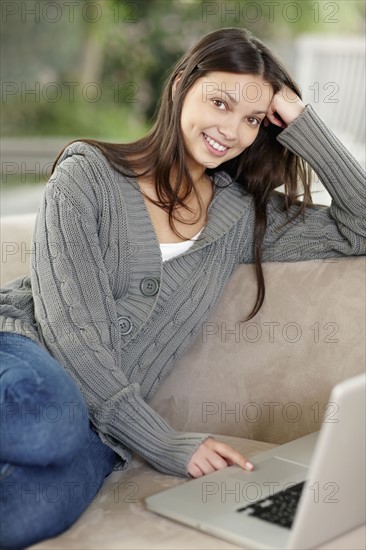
{"x":52,"y":463}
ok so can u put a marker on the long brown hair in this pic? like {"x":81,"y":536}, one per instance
{"x":262,"y":167}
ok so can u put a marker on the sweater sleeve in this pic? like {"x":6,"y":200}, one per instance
{"x":321,"y":232}
{"x":77,"y":319}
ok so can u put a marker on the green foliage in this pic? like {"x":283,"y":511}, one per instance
{"x":81,"y":117}
{"x":126,"y":48}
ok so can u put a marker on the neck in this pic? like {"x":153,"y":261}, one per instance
{"x":198,"y":176}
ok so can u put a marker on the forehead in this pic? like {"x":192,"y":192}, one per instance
{"x":239,"y":88}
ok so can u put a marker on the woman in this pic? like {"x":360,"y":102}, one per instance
{"x":133,"y":245}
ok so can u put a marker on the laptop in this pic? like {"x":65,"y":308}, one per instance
{"x":299,"y":495}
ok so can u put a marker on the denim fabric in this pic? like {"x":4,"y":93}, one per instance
{"x":52,"y":463}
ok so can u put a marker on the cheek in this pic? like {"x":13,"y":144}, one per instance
{"x":190,"y":125}
{"x":247,"y":138}
{"x":187,"y":127}
{"x":252,"y":139}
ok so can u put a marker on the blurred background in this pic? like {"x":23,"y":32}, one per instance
{"x":94,"y":69}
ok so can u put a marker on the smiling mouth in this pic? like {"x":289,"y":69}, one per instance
{"x":216,"y":145}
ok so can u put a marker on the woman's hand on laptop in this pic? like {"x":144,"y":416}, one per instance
{"x":213,"y":455}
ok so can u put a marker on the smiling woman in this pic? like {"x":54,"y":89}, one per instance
{"x":216,"y":125}
{"x":110,"y":303}
{"x":233,"y":78}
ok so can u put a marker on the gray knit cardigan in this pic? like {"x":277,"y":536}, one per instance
{"x":104,"y":305}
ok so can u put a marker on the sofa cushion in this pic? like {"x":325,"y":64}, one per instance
{"x":117,"y":518}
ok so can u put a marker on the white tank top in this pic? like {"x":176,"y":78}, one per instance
{"x":169,"y":250}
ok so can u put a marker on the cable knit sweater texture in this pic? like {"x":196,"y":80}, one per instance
{"x":105,"y":306}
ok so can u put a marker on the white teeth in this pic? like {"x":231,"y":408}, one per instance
{"x":214,"y":144}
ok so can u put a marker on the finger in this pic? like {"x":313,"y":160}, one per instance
{"x":205,"y":465}
{"x":275,"y":119}
{"x":271,"y":114}
{"x":217,"y":461}
{"x":231,"y":462}
{"x":194,"y":471}
{"x":208,"y":466}
{"x":231,"y":454}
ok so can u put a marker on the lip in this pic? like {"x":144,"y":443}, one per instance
{"x":211,"y":149}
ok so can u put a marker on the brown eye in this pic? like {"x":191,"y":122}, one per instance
{"x":253,"y":121}
{"x":219,"y":103}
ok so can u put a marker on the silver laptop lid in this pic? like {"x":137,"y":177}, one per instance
{"x":333,"y":500}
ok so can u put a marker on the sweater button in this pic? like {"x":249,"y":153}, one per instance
{"x":125,"y":325}
{"x":149,"y":286}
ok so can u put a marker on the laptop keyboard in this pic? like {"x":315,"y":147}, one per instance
{"x":279,"y":508}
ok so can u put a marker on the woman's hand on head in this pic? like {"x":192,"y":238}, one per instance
{"x":285,"y":107}
{"x":212,"y":455}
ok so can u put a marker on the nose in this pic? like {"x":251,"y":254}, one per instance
{"x":229,"y":129}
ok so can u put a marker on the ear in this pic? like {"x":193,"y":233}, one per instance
{"x":175,"y":83}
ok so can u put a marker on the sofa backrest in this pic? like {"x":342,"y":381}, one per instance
{"x":270,"y":379}
{"x":16,"y":235}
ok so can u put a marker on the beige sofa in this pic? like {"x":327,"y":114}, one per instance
{"x":256,"y":384}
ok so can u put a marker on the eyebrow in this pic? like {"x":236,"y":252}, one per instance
{"x":236,"y":102}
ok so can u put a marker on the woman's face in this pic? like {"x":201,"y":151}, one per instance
{"x":221,"y":117}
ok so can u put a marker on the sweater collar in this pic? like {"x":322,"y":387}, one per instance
{"x":228,"y":205}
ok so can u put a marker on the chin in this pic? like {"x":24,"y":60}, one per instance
{"x":212,"y":164}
